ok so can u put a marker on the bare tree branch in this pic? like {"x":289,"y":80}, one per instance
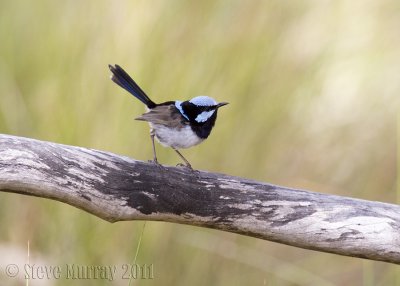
{"x":117,"y":188}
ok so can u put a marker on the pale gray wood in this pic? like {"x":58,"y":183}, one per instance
{"x":117,"y":188}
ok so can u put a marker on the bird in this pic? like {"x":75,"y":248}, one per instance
{"x":176,"y":124}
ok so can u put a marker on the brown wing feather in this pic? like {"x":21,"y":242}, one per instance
{"x":167,"y":115}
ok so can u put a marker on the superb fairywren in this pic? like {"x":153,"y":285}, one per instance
{"x":175,"y":124}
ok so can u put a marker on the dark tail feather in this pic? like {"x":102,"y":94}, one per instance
{"x":121,"y":78}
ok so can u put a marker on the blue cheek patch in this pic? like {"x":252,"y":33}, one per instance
{"x":204,"y":116}
{"x":178,"y":104}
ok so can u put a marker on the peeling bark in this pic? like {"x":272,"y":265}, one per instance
{"x":117,"y":188}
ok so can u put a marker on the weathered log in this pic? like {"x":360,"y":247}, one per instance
{"x":117,"y":188}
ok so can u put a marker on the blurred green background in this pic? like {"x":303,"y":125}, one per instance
{"x":313,"y":87}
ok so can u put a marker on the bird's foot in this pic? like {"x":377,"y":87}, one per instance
{"x":187,"y":166}
{"x":155,"y":162}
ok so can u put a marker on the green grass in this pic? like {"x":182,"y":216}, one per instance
{"x":313,"y":90}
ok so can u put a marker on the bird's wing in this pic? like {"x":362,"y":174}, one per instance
{"x":167,"y":115}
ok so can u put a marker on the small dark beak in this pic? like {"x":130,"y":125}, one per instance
{"x":222,"y":104}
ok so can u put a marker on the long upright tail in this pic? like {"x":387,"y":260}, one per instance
{"x":121,"y":78}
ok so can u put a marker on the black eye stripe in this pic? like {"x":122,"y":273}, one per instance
{"x":191,"y":111}
{"x":207,"y":108}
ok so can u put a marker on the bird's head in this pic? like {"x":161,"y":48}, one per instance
{"x":199,"y":109}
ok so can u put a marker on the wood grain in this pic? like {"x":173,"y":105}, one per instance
{"x":117,"y":188}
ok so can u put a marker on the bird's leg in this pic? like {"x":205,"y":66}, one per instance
{"x":154,"y":147}
{"x":183,"y":158}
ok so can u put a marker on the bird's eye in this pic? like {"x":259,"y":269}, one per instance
{"x":208,"y":108}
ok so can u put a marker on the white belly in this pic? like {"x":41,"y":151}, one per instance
{"x":177,"y":138}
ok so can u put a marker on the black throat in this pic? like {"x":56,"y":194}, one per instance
{"x":202,"y":129}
